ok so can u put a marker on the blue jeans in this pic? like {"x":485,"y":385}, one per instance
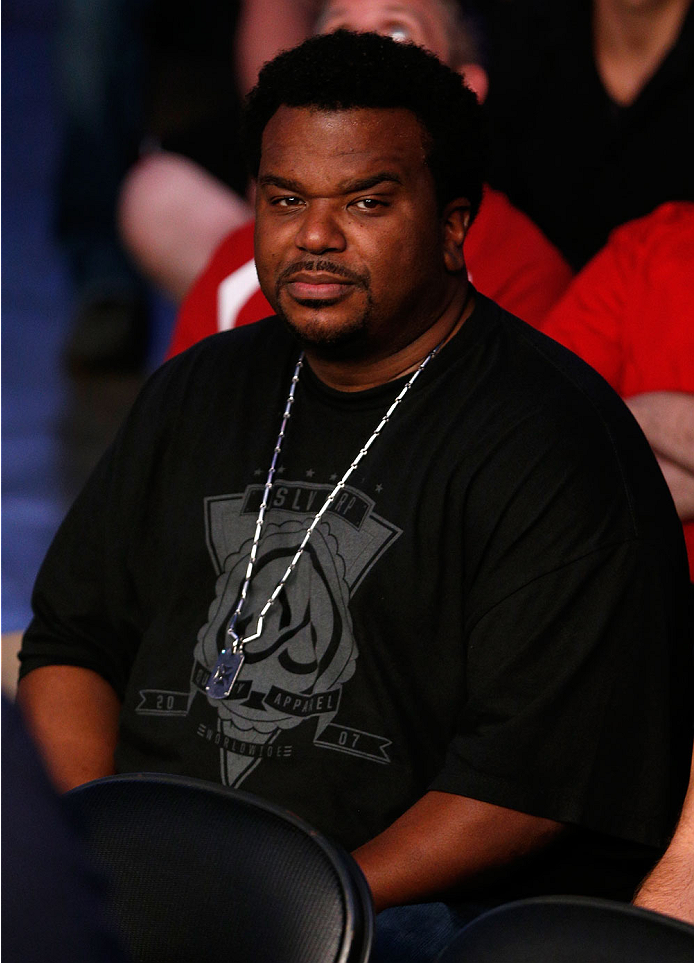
{"x":419,"y":933}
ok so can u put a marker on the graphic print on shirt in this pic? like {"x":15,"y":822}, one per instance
{"x":294,"y":673}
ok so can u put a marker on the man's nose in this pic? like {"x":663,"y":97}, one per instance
{"x":320,"y":230}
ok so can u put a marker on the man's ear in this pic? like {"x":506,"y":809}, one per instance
{"x":475,"y":77}
{"x":455,"y":222}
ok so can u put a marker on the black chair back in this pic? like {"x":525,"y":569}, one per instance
{"x":203,"y":873}
{"x":572,"y":929}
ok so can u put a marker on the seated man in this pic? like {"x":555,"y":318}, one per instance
{"x":391,"y":559}
{"x":630,"y":314}
{"x":508,"y":257}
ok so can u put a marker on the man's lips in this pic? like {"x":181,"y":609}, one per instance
{"x":309,"y":286}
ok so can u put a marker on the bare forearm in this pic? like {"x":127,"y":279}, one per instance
{"x":667,"y":420}
{"x":72,"y":713}
{"x":443,"y":841}
{"x":669,"y":888}
{"x":680,"y":481}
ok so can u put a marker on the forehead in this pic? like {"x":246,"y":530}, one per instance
{"x":311,"y":144}
{"x":425,"y":22}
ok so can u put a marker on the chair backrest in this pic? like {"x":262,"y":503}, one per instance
{"x":200,"y":872}
{"x":572,"y":929}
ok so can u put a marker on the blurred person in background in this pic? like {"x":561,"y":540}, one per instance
{"x":136,"y":76}
{"x":102,"y":69}
{"x":591,"y":109}
{"x":630,"y":314}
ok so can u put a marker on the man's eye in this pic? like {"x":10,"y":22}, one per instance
{"x":286,"y":201}
{"x":368,"y":204}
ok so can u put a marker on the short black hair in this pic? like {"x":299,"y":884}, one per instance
{"x":346,"y":70}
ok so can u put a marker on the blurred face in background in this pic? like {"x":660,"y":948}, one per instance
{"x":428,"y":23}
{"x":424,"y":22}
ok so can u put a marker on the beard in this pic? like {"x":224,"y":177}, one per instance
{"x":345,"y":339}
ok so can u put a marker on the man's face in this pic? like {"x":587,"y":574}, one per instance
{"x":424,"y":22}
{"x":348,"y":239}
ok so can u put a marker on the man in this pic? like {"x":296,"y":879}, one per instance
{"x":423,"y":583}
{"x":176,"y":217}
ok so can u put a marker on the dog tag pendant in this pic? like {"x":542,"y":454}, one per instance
{"x":226,"y":670}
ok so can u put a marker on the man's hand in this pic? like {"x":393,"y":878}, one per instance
{"x":444,"y":840}
{"x":667,"y":420}
{"x":72,"y":713}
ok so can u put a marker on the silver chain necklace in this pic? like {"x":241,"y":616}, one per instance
{"x":230,"y":661}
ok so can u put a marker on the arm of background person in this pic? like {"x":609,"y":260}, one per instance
{"x":172,"y":214}
{"x":669,"y":888}
{"x":681,"y":485}
{"x":667,"y":420}
{"x":264,"y":28}
{"x":443,"y":841}
{"x":72,"y":714}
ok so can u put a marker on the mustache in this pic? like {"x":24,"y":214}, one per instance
{"x":326,"y":265}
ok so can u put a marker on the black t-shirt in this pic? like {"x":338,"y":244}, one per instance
{"x":494,"y":607}
{"x":564,"y":152}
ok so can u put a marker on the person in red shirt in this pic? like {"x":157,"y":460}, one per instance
{"x":630,"y":314}
{"x":508,"y":257}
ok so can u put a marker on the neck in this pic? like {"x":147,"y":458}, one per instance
{"x":359,"y":374}
{"x":631,"y":38}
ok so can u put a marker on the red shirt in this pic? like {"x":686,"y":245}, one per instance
{"x":508,"y":259}
{"x":630,"y":311}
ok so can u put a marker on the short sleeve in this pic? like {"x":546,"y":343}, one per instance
{"x":198,"y":315}
{"x":589,"y":318}
{"x":226,"y":294}
{"x":571,"y":712}
{"x":86,"y":607}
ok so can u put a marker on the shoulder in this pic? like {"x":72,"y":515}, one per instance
{"x":197,"y":317}
{"x":496,"y":210}
{"x":540,"y":389}
{"x":234,"y":345}
{"x":512,"y":260}
{"x":551,"y":448}
{"x":644,"y":259}
{"x":502,"y":223}
{"x":220,"y":366}
{"x":530,"y":363}
{"x":670,"y":224}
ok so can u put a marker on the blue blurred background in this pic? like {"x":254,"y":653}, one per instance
{"x":53,"y":427}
